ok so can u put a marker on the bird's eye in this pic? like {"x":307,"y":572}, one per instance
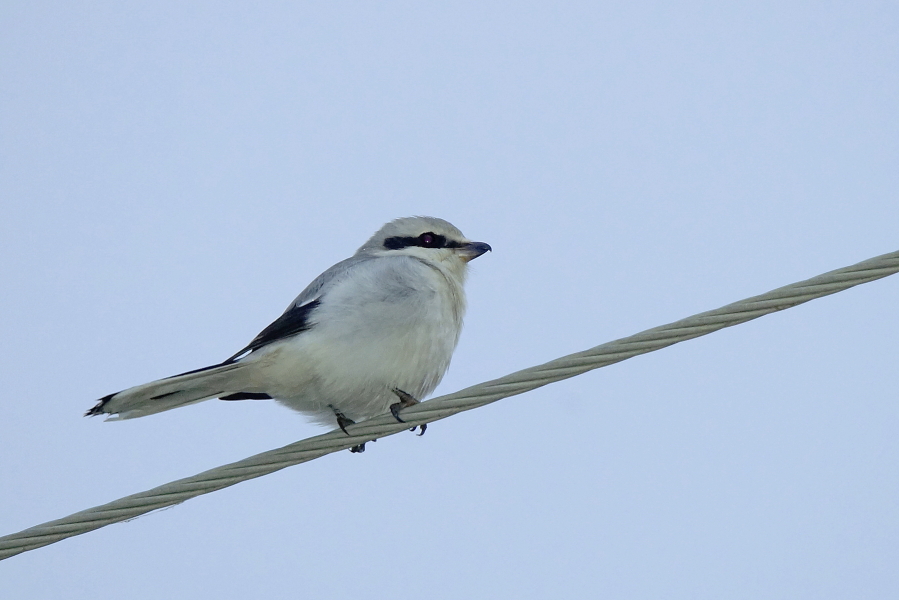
{"x":429,"y":240}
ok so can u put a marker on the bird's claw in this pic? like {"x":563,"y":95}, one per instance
{"x":343,"y":421}
{"x":358,"y":448}
{"x":406,"y":400}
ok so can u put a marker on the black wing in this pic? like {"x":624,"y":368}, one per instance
{"x":292,"y":322}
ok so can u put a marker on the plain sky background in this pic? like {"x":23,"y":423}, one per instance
{"x":172,"y":174}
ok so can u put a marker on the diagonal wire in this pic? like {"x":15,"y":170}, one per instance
{"x":445,"y":406}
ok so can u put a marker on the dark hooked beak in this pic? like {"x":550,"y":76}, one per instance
{"x":472,"y":250}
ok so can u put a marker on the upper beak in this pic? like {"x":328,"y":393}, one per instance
{"x":472,"y":250}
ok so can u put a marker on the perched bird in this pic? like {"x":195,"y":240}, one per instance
{"x":374,"y":333}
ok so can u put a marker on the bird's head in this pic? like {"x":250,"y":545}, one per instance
{"x":427,"y":238}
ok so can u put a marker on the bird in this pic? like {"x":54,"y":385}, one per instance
{"x":372,"y":334}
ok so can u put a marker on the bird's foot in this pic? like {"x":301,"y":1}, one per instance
{"x":342,"y":422}
{"x":360,"y":447}
{"x":406,"y":400}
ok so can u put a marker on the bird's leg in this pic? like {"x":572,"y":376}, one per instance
{"x":406,"y":400}
{"x":342,"y":419}
{"x":342,"y":422}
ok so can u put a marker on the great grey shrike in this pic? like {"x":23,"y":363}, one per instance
{"x":372,"y":334}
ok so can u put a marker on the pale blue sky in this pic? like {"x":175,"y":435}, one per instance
{"x":172,"y":174}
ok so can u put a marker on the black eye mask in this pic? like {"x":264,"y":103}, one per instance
{"x":429,"y":239}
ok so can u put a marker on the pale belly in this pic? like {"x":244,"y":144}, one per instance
{"x":353,"y":359}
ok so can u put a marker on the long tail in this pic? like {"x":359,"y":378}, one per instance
{"x":172,"y":392}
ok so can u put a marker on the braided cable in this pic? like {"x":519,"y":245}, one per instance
{"x":445,"y":406}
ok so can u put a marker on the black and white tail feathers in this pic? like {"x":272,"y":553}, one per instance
{"x":222,"y":380}
{"x":226,"y":380}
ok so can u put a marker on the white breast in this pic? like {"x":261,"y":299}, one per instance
{"x":390,"y":323}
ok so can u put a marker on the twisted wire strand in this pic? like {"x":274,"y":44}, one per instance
{"x":448,"y":405}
